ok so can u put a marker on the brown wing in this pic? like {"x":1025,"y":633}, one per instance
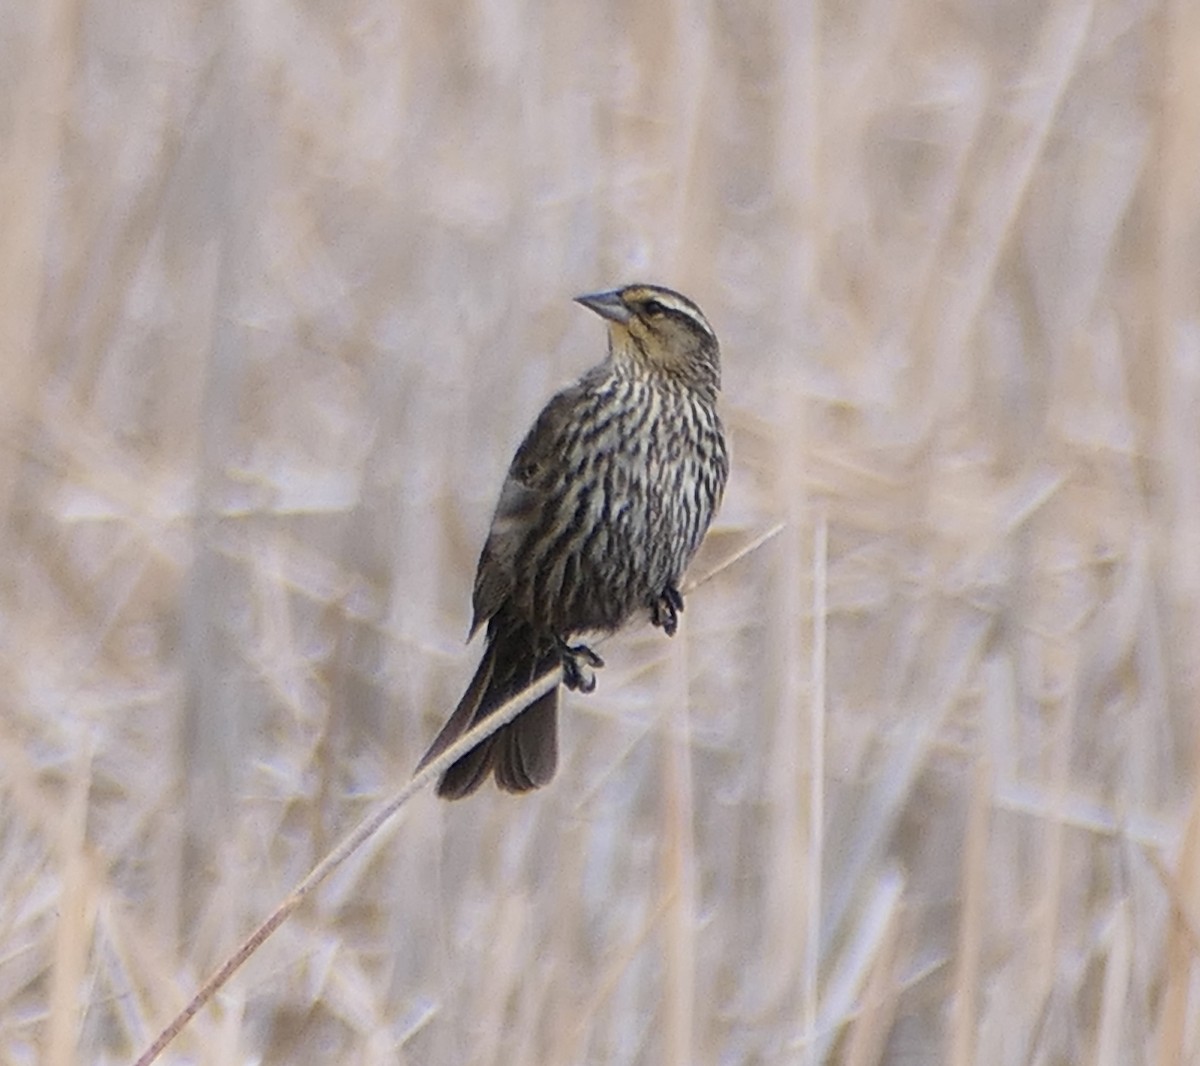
{"x":534,"y":481}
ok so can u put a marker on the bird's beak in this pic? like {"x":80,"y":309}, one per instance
{"x":607,"y":305}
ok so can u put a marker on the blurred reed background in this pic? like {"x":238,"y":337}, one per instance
{"x":284,"y":283}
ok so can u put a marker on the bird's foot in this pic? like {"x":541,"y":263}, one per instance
{"x":578,"y":665}
{"x":664,"y":611}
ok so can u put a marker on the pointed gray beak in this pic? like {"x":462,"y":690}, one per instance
{"x":607,"y":305}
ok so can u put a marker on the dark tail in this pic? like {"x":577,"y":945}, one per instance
{"x":523,"y":753}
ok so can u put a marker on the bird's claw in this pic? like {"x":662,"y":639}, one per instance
{"x":578,"y":665}
{"x":664,"y":611}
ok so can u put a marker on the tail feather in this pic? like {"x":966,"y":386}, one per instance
{"x":464,"y":715}
{"x":524,"y":753}
{"x":471,"y":771}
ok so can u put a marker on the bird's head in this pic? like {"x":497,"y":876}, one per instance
{"x":660,"y":331}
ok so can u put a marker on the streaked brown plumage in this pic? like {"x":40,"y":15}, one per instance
{"x":604,"y":505}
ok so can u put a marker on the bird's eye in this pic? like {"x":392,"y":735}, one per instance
{"x":654,"y":308}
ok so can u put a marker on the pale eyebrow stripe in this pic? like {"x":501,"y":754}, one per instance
{"x":684,"y":307}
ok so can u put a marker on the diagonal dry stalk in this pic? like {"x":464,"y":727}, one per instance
{"x":370,"y":825}
{"x":348,"y":846}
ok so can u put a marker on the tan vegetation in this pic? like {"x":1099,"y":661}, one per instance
{"x":282,"y":285}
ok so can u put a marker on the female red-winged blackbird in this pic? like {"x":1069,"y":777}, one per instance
{"x":605,"y":503}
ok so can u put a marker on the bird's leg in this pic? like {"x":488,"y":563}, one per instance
{"x":664,"y":611}
{"x":578,"y":663}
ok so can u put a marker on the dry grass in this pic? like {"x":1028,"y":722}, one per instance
{"x":283,"y":284}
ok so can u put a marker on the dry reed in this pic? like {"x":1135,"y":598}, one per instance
{"x":916,"y":782}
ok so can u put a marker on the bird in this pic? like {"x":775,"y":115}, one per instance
{"x":603,"y":507}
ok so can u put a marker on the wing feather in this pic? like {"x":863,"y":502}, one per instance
{"x":534,"y":481}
